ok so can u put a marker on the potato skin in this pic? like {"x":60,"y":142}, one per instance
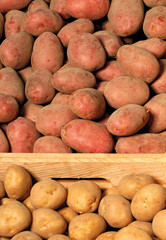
{"x":35,"y":4}
{"x":61,"y":98}
{"x":7,"y":5}
{"x":49,"y":46}
{"x":26,"y":235}
{"x":127,"y":54}
{"x":93,"y":9}
{"x":4,"y":145}
{"x":80,"y":134}
{"x":29,"y":110}
{"x":59,"y":237}
{"x":1,"y":25}
{"x":154,"y":3}
{"x":2,"y":190}
{"x":146,"y":226}
{"x":60,"y":7}
{"x":158,"y":85}
{"x":89,"y":53}
{"x":126,"y":17}
{"x":158,"y":224}
{"x":67,"y":213}
{"x":106,"y":235}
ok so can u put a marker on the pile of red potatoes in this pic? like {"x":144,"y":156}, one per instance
{"x":85,"y":76}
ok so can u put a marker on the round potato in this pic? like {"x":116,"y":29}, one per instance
{"x":60,"y":7}
{"x":67,"y":213}
{"x":28,"y":204}
{"x":61,"y":98}
{"x":26,"y":235}
{"x":35,"y":4}
{"x":7,"y":5}
{"x":159,"y":223}
{"x":59,"y":237}
{"x":30,"y":110}
{"x":146,"y":226}
{"x":106,"y":235}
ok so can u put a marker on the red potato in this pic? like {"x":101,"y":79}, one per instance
{"x":157,"y":108}
{"x":1,"y":24}
{"x":141,"y":143}
{"x":69,"y":80}
{"x":30,"y":110}
{"x":126,"y":17}
{"x":104,"y":119}
{"x":37,"y":21}
{"x":22,"y":134}
{"x":127,"y":120}
{"x":111,"y":70}
{"x":159,"y":85}
{"x":47,"y":52}
{"x":155,"y":22}
{"x":85,"y":51}
{"x":11,"y":84}
{"x":88,"y":103}
{"x":126,"y":90}
{"x":80,"y":25}
{"x":53,"y":117}
{"x":25,"y":73}
{"x":110,"y":42}
{"x":61,"y":98}
{"x":4,"y":144}
{"x":7,"y":5}
{"x":9,"y":108}
{"x":92,"y":9}
{"x":106,"y":25}
{"x":50,"y":144}
{"x":87,"y":136}
{"x":60,"y":7}
{"x":16,"y":50}
{"x":101,"y":86}
{"x":138,"y":62}
{"x":154,"y":3}
{"x":13,"y":22}
{"x":35,"y":4}
{"x":38,"y":88}
{"x":156,"y":46}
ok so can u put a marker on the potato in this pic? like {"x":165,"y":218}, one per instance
{"x":47,"y":222}
{"x":156,"y":46}
{"x":35,"y":4}
{"x":25,"y":73}
{"x":13,"y":22}
{"x":7,"y":5}
{"x":14,"y":218}
{"x":149,"y":200}
{"x":130,"y":233}
{"x":2,"y":190}
{"x":158,"y":224}
{"x":47,"y":193}
{"x":53,"y":117}
{"x":59,"y":237}
{"x":49,"y":46}
{"x":60,"y":7}
{"x":4,"y":144}
{"x":126,"y":57}
{"x":6,"y":200}
{"x":28,"y":204}
{"x":131,"y":183}
{"x":127,"y":120}
{"x":115,"y":209}
{"x":126,"y":90}
{"x":106,"y":235}
{"x":156,"y":107}
{"x":80,"y":25}
{"x":141,"y":143}
{"x":26,"y":235}
{"x":17,"y":182}
{"x":9,"y":108}
{"x":146,"y":226}
{"x":158,"y":86}
{"x":61,"y":98}
{"x":40,"y":20}
{"x":101,"y":88}
{"x":71,"y":79}
{"x":24,"y":131}
{"x":109,"y":71}
{"x":38,"y":87}
{"x":110,"y":42}
{"x":12,"y":54}
{"x":67,"y":213}
{"x":126,"y":17}
{"x":1,"y":25}
{"x":106,"y":25}
{"x":89,"y":53}
{"x":111,"y":190}
{"x":88,"y":103}
{"x":80,"y":134}
{"x":94,"y":9}
{"x":83,"y":196}
{"x":86,"y":226}
{"x":154,"y":22}
{"x":154,"y":3}
{"x":11,"y":84}
{"x":30,"y":110}
{"x":4,"y":238}
{"x":50,"y":144}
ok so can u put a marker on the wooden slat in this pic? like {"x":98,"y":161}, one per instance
{"x":103,"y":166}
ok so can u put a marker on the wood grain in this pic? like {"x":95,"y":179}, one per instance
{"x":105,"y":169}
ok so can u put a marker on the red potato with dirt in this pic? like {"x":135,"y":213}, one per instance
{"x":22,"y":134}
{"x":61,"y":98}
{"x":41,"y":20}
{"x":80,"y":25}
{"x":69,"y":80}
{"x":38,"y":88}
{"x":60,"y":7}
{"x":7,"y":5}
{"x":16,"y":50}
{"x":126,"y":17}
{"x":4,"y":144}
{"x":159,"y":85}
{"x":85,"y":51}
{"x":49,"y":46}
{"x":133,"y":60}
{"x":30,"y":110}
{"x":92,"y":9}
{"x":13,"y":22}
{"x":35,"y":4}
{"x":154,"y":3}
{"x":88,"y":103}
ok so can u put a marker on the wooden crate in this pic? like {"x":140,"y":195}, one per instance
{"x":105,"y":169}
